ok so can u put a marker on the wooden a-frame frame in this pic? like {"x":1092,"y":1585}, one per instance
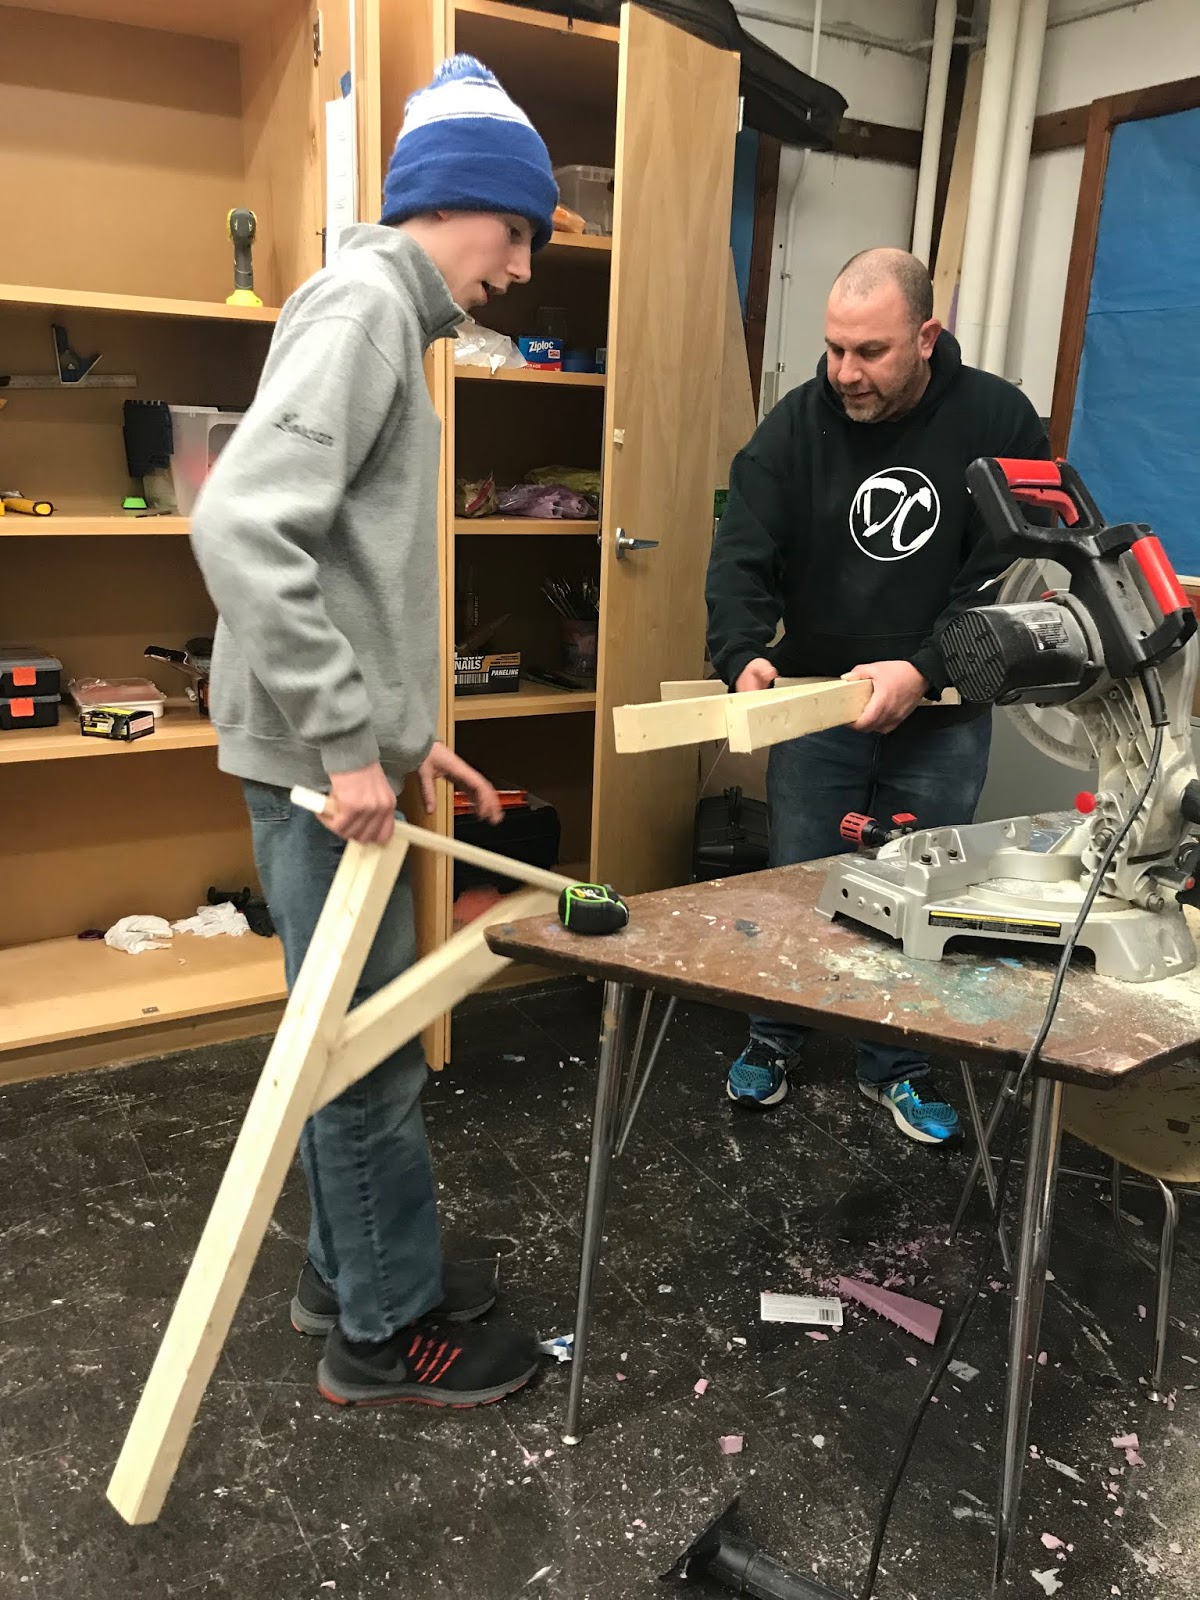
{"x":318,"y":1052}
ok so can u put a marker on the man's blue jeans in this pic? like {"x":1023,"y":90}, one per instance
{"x":933,"y":769}
{"x":374,"y":1235}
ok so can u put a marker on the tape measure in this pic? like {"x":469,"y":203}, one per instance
{"x":592,"y":908}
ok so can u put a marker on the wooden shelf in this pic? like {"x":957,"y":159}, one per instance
{"x":495,"y":526}
{"x":574,"y":380}
{"x":177,"y":730}
{"x":530,"y":700}
{"x":580,"y":244}
{"x":89,"y":522}
{"x":538,"y":19}
{"x":230,"y":20}
{"x":140,"y":305}
{"x":74,"y":989}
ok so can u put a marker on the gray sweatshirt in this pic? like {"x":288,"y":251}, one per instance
{"x":316,"y":530}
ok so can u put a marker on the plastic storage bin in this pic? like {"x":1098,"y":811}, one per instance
{"x":29,"y":711}
{"x":199,"y":433}
{"x":588,"y":190}
{"x":27,"y":671}
{"x":131,"y":694}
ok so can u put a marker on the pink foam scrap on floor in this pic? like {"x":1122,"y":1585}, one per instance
{"x":1119,"y":1511}
{"x":912,"y":1360}
{"x":995,"y":1285}
{"x":1125,"y":1441}
{"x":700,"y":1386}
{"x":620,"y":1377}
{"x":1134,"y":1459}
{"x":638,"y":1523}
{"x":914,"y":1316}
{"x":1051,"y":1542}
{"x":1142,"y":1313}
{"x":1042,"y":1359}
{"x":731,"y":1443}
{"x":821,"y":1338}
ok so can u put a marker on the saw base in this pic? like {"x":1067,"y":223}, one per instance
{"x":1010,"y":880}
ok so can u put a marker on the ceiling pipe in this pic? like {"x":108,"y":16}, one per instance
{"x":1027,"y":73}
{"x":931,"y":137}
{"x":975,"y":278}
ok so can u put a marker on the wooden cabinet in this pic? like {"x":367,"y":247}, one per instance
{"x":134,"y":126}
{"x":659,"y":107}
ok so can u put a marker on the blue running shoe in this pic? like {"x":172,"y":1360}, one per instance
{"x":917,"y":1111}
{"x":757,"y":1079}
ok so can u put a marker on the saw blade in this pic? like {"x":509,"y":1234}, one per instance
{"x":1057,"y":731}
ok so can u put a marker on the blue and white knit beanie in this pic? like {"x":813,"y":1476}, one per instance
{"x":465,"y":146}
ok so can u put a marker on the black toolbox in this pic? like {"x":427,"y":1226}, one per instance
{"x":28,"y":673}
{"x":731,"y":836}
{"x":530,"y":833}
{"x":28,"y":711}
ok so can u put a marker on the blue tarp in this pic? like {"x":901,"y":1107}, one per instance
{"x":741,"y":229}
{"x":1135,"y":432}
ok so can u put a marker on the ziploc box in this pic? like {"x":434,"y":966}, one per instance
{"x":543,"y":353}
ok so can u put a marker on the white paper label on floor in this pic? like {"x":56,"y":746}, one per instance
{"x":804,"y":1308}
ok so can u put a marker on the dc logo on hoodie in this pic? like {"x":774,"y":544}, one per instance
{"x":894,"y":513}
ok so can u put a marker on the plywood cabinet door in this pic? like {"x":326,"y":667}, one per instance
{"x":676,"y":125}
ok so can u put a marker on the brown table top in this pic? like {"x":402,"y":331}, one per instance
{"x":757,"y":943}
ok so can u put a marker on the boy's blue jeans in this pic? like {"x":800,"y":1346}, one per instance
{"x":933,"y":769}
{"x":374,"y":1235}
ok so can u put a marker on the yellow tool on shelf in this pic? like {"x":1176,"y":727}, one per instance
{"x":12,"y":501}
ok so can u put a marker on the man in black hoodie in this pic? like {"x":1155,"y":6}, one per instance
{"x":849,"y":520}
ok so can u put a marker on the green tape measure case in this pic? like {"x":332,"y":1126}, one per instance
{"x":592,"y":908}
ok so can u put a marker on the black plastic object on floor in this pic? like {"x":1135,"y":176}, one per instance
{"x":531,"y":834}
{"x":731,"y":836}
{"x":726,"y":1557}
{"x":252,"y":908}
{"x":780,"y":100}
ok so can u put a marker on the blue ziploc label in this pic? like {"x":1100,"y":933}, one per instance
{"x":541,"y":352}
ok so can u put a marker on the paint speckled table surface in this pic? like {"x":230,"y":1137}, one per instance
{"x":757,"y":943}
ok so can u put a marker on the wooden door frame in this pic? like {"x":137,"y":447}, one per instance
{"x":1159,"y":100}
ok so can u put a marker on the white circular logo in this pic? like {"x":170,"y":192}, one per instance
{"x":894,"y":513}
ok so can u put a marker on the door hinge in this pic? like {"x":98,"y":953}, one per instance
{"x":318,"y":40}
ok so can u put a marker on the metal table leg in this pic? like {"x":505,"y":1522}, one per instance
{"x":984,"y":1155}
{"x":629,"y":1117}
{"x":604,"y":1133}
{"x":1029,"y":1290}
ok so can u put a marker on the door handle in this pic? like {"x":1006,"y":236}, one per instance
{"x":625,"y":543}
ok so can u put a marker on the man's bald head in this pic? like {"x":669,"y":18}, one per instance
{"x":880,"y":334}
{"x":870,"y":270}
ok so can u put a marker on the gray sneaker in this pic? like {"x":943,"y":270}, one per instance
{"x":470,"y":1291}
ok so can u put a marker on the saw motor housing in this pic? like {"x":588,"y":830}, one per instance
{"x":1091,"y":668}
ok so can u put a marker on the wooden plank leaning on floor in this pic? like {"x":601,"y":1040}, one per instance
{"x":318,"y":1052}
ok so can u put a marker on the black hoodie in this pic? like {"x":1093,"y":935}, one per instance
{"x":862,"y":536}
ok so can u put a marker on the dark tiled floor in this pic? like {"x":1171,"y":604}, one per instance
{"x":105,"y":1181}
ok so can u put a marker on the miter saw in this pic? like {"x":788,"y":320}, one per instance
{"x":1092,"y":643}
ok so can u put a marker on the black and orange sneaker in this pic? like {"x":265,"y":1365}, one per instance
{"x":434,"y":1362}
{"x":469,"y":1291}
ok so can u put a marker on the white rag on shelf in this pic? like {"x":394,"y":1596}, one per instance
{"x":210,"y":920}
{"x":136,"y":934}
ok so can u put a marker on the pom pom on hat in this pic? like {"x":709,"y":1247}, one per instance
{"x":465,"y":146}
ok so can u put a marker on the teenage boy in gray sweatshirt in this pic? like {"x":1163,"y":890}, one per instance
{"x":316,"y":533}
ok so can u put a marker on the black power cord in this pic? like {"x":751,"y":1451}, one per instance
{"x":1152,"y":685}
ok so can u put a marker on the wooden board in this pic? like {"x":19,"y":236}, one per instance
{"x":143,"y":130}
{"x":67,"y":446}
{"x":954,"y":217}
{"x":176,"y":730}
{"x":676,"y":124}
{"x":736,"y":416}
{"x":210,"y":19}
{"x":88,"y":842}
{"x":65,"y":989}
{"x":523,"y":527}
{"x":558,"y":380}
{"x":283,"y":129}
{"x":135,"y":305}
{"x":264,"y":1151}
{"x":756,"y":943}
{"x":530,"y":700}
{"x":750,"y":721}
